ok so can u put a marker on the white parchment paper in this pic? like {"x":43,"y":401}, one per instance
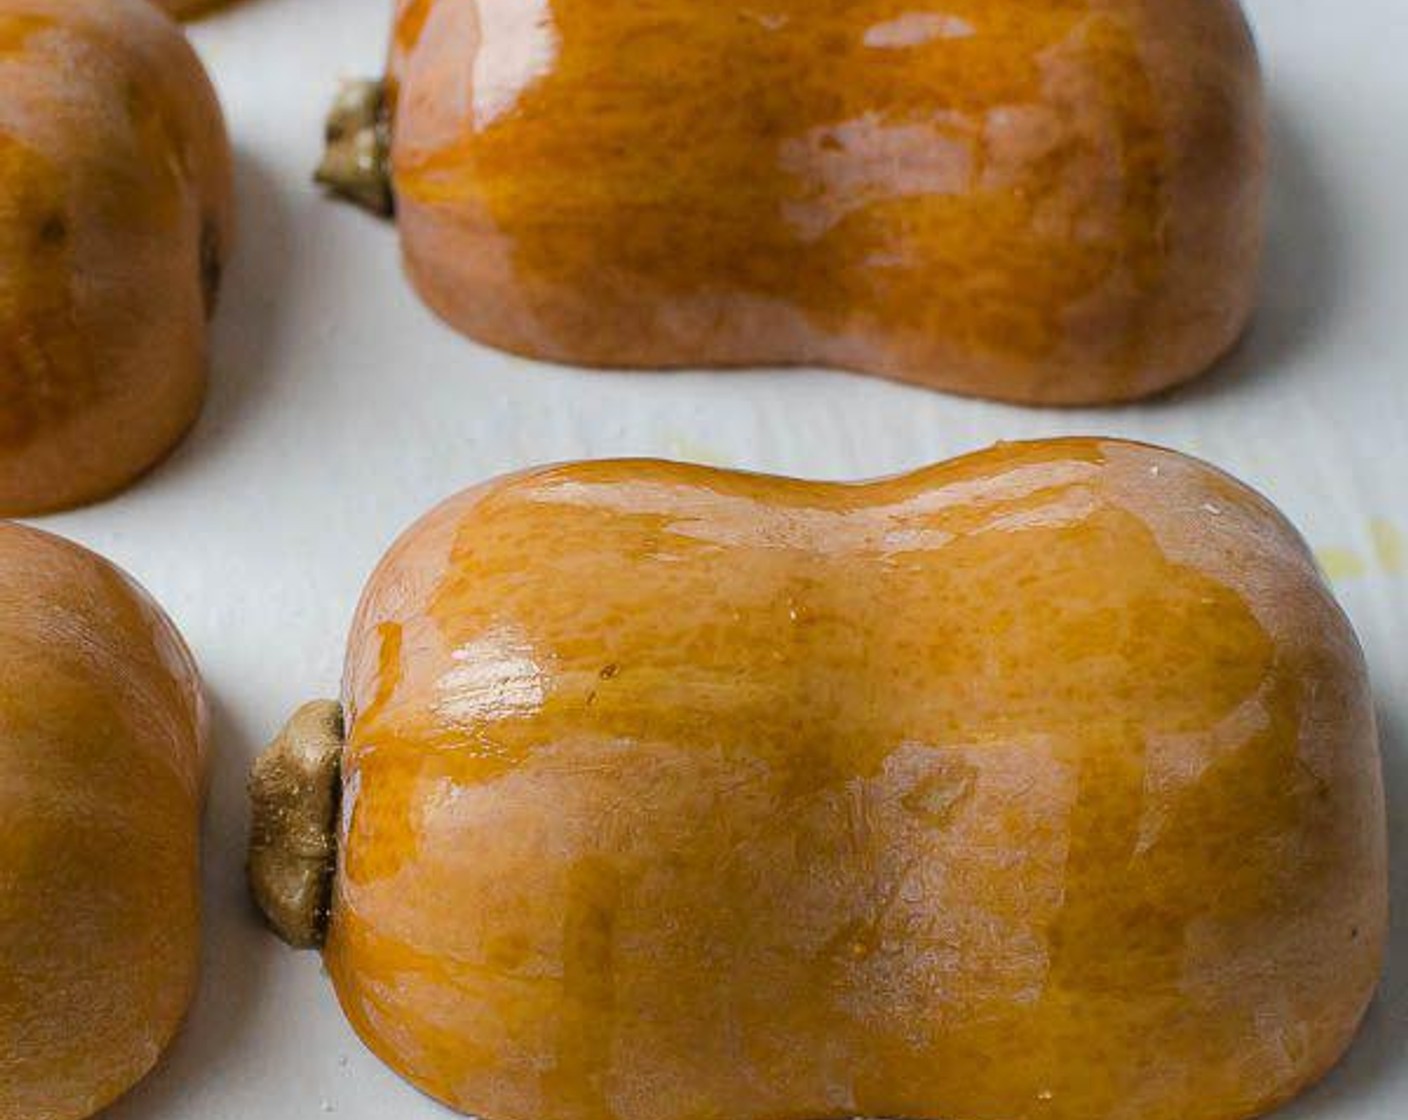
{"x":341,"y":409}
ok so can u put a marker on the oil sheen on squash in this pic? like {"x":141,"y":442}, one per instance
{"x":102,"y":779}
{"x":114,"y":227}
{"x":1041,"y":783}
{"x":1055,"y":202}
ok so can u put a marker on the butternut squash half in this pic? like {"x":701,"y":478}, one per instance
{"x":114,"y":229}
{"x":1043,"y":782}
{"x":1056,"y":202}
{"x":102,"y":764}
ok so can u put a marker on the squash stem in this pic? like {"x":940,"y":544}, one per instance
{"x":357,"y":158}
{"x":295,"y":794}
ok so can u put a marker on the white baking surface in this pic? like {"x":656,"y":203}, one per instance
{"x":340,"y":410}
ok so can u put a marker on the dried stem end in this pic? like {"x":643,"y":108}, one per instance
{"x":357,"y":158}
{"x":295,"y":791}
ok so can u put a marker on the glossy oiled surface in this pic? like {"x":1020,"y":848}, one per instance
{"x":1055,"y":201}
{"x":101,"y":776}
{"x":114,"y":224}
{"x":1039,"y":783}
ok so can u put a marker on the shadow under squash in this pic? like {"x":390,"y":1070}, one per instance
{"x":210,"y":1042}
{"x":1302,"y":276}
{"x":247,"y":328}
{"x":1375,"y":1068}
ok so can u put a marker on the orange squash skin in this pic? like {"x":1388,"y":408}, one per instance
{"x":102,"y":762}
{"x":1040,"y":783}
{"x":1053,"y":203}
{"x":115,"y":223}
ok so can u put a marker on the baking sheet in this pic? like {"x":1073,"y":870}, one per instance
{"x":341,"y":409}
